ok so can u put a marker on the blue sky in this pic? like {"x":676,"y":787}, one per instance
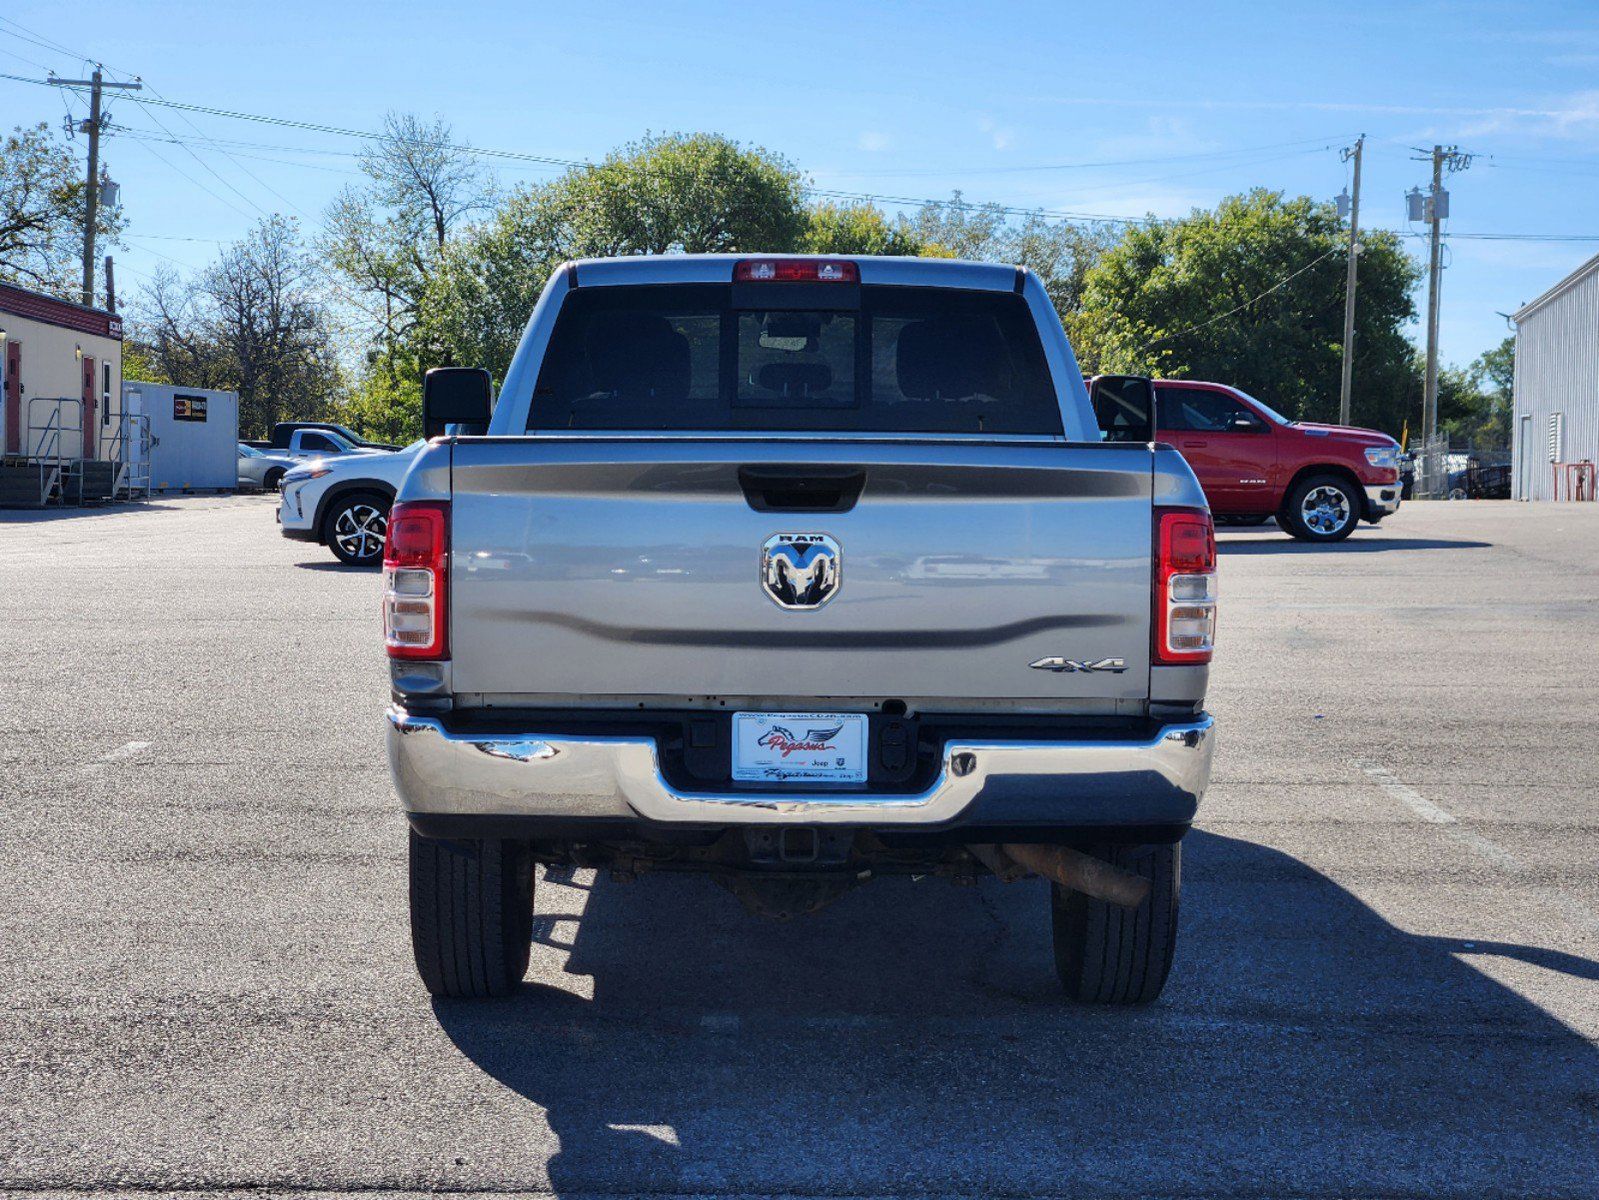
{"x":1193,"y":101}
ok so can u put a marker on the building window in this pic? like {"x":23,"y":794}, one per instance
{"x":105,"y":394}
{"x":1557,"y":436}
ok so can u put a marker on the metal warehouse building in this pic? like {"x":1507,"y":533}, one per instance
{"x":1557,"y":382}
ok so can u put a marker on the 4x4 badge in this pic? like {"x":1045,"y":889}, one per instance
{"x":1073,"y":665}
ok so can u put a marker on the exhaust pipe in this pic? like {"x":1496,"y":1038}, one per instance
{"x":1068,"y":867}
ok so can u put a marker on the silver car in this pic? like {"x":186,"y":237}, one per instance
{"x":261,"y":468}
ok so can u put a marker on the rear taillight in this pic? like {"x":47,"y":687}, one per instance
{"x":416,"y":580}
{"x":1185,"y":586}
{"x":795,"y":270}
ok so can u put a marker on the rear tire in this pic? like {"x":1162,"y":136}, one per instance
{"x":1323,"y":508}
{"x":270,"y":481}
{"x":471,"y":915}
{"x":1106,"y":954}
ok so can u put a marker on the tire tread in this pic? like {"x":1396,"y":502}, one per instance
{"x":471,"y":915}
{"x":1106,"y":954}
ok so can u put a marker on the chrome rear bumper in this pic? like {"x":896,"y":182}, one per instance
{"x":1155,"y":779}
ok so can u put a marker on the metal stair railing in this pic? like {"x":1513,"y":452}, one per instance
{"x":46,"y":447}
{"x":130,"y":451}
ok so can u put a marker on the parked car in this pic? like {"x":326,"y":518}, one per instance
{"x":340,"y":439}
{"x":1319,"y":481}
{"x":261,"y":468}
{"x":796,"y":572}
{"x":343,"y":502}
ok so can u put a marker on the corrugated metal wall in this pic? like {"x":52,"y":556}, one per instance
{"x":1557,"y":371}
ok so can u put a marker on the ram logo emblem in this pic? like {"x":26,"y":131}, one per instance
{"x":1072,"y":666}
{"x":801,"y":570}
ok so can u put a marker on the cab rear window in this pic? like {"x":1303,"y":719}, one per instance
{"x":828,"y":358}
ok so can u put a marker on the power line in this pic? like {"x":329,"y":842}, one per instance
{"x":23,"y":57}
{"x":1281,"y":283}
{"x":573,"y":163}
{"x":1084,"y":166}
{"x":555,"y":161}
{"x":204,"y":136}
{"x":1509,"y":237}
{"x":189,"y":150}
{"x":150,"y":135}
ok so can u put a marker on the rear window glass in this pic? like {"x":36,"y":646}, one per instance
{"x":865,"y":359}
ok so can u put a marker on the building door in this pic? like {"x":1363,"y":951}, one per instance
{"x":13,"y":410}
{"x":1524,"y":457}
{"x":91,"y":426}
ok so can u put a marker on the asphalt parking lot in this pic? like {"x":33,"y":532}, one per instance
{"x":1388,"y":980}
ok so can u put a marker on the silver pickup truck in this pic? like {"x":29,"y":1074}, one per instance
{"x":797,"y":572}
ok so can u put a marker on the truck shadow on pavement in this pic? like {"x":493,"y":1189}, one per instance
{"x":334,"y":566}
{"x":1356,"y":544}
{"x":911,"y":1039}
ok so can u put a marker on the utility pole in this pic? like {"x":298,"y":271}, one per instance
{"x":1435,"y":212}
{"x":91,"y":193}
{"x":1350,"y":283}
{"x":1429,"y":395}
{"x":110,"y":286}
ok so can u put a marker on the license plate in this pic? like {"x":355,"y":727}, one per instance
{"x":799,"y":747}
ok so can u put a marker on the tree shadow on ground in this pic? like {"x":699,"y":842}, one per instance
{"x":912,"y":1039}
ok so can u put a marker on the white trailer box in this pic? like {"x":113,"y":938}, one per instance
{"x":194,"y":435}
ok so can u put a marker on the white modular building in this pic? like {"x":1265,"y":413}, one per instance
{"x":194,"y":435}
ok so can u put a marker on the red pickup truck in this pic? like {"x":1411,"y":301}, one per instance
{"x":1319,"y":481}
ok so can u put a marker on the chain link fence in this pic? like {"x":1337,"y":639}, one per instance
{"x":1432,"y":467}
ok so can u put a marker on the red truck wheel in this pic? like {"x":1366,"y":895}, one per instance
{"x":1322,"y":508}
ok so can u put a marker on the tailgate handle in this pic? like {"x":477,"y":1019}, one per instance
{"x":801,"y":488}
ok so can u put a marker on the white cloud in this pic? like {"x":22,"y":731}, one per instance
{"x":1576,"y":108}
{"x":1162,"y":134}
{"x":1002,"y":137}
{"x":1573,"y":117}
{"x":872,"y":140}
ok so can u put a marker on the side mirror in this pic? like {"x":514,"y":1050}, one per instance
{"x":1124,"y":406}
{"x":1243,"y":423}
{"x":461,"y":396}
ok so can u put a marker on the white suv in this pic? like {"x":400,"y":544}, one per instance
{"x":344,"y":502}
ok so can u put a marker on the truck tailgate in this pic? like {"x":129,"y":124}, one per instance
{"x":591,"y":568}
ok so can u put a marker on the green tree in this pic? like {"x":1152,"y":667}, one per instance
{"x":41,"y":212}
{"x":697,"y":193}
{"x":251,"y":322}
{"x":960,"y":230}
{"x":384,"y":239}
{"x":1060,"y":253}
{"x":1474,"y":403}
{"x":683,"y":192}
{"x":856,"y":229}
{"x":140,"y":361}
{"x":386,"y":406}
{"x":1252,"y":294}
{"x":1497,"y":367}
